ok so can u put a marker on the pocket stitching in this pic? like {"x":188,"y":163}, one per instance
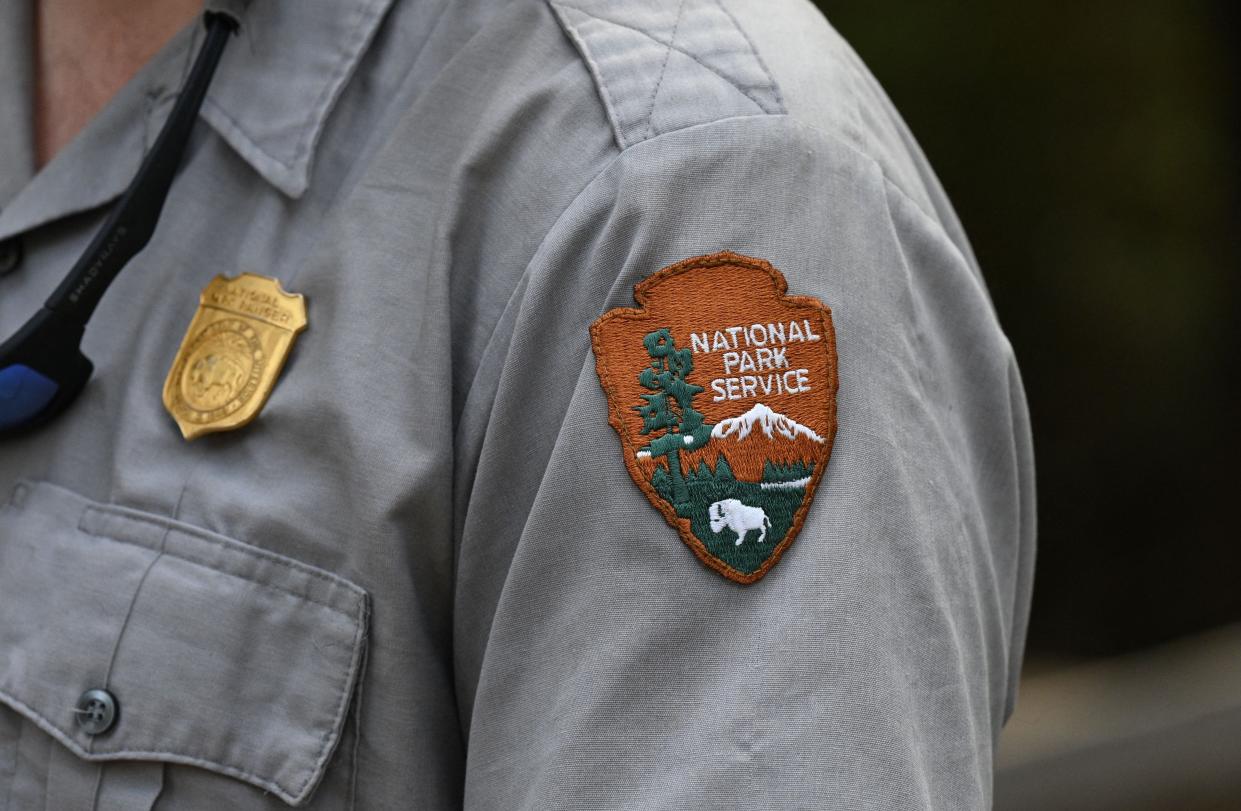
{"x":56,"y":732}
{"x":358,"y":614}
{"x":358,"y":620}
{"x":294,"y":795}
{"x":174,"y":528}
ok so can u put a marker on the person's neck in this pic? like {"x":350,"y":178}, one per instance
{"x":87,"y":50}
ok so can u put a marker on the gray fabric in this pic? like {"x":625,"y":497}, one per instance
{"x":175,"y":618}
{"x":459,"y":189}
{"x":16,"y":142}
{"x":657,"y":75}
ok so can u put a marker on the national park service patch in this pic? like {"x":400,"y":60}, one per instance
{"x":723,"y":392}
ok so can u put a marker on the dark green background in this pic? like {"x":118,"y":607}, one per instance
{"x":1091,"y":150}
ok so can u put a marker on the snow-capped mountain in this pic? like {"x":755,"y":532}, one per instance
{"x":771,"y":423}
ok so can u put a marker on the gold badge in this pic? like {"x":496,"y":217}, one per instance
{"x":232,"y":353}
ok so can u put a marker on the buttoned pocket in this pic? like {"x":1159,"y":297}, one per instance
{"x":202,"y":650}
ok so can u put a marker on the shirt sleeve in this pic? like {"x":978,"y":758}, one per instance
{"x":599,"y":663}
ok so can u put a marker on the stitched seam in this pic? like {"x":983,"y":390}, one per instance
{"x":319,"y":108}
{"x":357,"y":733}
{"x":235,"y":126}
{"x":492,"y":339}
{"x":205,"y":565}
{"x":581,"y":193}
{"x":854,"y":77}
{"x":235,"y":546}
{"x":525,"y":276}
{"x":1013,"y":630}
{"x":130,"y":754}
{"x":855,"y":149}
{"x":739,"y":88}
{"x":342,"y":703}
{"x":650,"y":112}
{"x":920,"y":337}
{"x":120,"y":634}
{"x":858,"y":83}
{"x":94,"y":797}
{"x":193,"y":532}
{"x":8,"y":795}
{"x":348,"y":57}
{"x":149,"y":103}
{"x":937,"y":227}
{"x":359,"y":619}
{"x":775,"y":87}
{"x":915,"y":313}
{"x":591,"y":65}
{"x":920,"y":333}
{"x":196,"y":760}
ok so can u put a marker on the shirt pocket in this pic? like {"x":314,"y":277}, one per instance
{"x":219,"y":655}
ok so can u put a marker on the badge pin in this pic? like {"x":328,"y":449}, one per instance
{"x":722,"y":389}
{"x":232,"y":353}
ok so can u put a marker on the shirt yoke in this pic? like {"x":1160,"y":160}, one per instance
{"x":663,"y":66}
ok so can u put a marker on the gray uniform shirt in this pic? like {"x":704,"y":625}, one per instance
{"x":423,"y":578}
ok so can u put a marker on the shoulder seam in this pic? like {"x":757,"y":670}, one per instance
{"x":629,"y":58}
{"x":608,"y":105}
{"x":663,"y":68}
{"x":775,"y":87}
{"x":888,"y":179}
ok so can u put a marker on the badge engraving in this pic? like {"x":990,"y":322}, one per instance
{"x":722,"y":389}
{"x":232,"y":353}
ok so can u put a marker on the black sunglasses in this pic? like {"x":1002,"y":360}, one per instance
{"x":42,"y":368}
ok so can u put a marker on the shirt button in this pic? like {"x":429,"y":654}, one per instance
{"x":96,"y":711}
{"x":10,"y":255}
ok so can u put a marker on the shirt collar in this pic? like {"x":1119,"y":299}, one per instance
{"x":98,"y":164}
{"x":271,"y":96}
{"x":281,"y":77}
{"x":16,"y":94}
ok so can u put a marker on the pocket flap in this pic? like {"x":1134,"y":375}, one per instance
{"x":220,"y":655}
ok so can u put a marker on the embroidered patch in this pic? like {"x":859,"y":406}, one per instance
{"x":723,"y":392}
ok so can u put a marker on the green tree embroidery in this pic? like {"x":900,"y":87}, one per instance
{"x":670,"y":409}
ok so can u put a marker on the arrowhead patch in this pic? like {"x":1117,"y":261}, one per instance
{"x":722,"y":389}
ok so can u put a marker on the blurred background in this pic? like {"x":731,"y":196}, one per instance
{"x":1093,"y":152}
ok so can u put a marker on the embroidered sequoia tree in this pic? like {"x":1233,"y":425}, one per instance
{"x":670,"y":409}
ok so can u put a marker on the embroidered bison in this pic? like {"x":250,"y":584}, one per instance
{"x":740,"y":518}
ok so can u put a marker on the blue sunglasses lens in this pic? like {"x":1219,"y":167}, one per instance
{"x":23,"y":394}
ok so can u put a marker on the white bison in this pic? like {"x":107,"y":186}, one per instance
{"x":739,"y":518}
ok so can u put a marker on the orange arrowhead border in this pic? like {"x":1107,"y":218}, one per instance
{"x":642,"y":293}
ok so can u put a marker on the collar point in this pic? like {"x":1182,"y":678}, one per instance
{"x":291,"y":177}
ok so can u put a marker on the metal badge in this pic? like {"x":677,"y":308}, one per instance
{"x":232,"y":353}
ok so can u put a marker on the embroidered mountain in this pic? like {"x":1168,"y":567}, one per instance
{"x":768,"y":421}
{"x":739,"y":481}
{"x":755,"y":439}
